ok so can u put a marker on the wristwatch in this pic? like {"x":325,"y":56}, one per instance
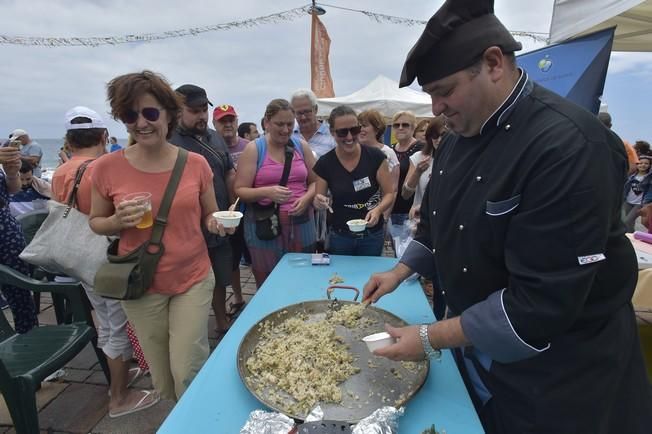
{"x":431,"y":353}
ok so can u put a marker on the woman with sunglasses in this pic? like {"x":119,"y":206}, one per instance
{"x":403,"y":124}
{"x":418,"y":174}
{"x":260,"y":169}
{"x":171,"y":318}
{"x":360,"y":185}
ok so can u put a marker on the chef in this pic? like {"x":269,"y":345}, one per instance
{"x":521,"y":231}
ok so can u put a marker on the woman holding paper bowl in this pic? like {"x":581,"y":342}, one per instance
{"x":182,"y":288}
{"x":361,"y":188}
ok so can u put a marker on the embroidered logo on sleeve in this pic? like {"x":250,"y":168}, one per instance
{"x":590,"y":259}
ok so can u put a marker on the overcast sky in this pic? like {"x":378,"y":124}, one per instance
{"x":246,"y":67}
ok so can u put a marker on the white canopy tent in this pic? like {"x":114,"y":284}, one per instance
{"x":633,"y":18}
{"x":382,"y":94}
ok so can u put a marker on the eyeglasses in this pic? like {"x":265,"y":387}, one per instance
{"x":401,"y":125}
{"x":303,"y":113}
{"x":343,"y":132}
{"x":150,"y":114}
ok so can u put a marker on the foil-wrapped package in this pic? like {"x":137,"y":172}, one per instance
{"x":265,"y":422}
{"x":315,"y":414}
{"x":382,"y":421}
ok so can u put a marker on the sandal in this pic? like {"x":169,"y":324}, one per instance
{"x":235,"y":309}
{"x":135,"y":374}
{"x":149,"y":399}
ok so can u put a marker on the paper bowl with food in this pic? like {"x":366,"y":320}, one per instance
{"x":229,"y":219}
{"x":357,"y":225}
{"x":378,"y":340}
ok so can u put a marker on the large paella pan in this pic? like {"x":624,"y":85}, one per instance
{"x":374,"y":382}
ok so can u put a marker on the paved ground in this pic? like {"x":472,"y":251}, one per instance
{"x":78,"y":401}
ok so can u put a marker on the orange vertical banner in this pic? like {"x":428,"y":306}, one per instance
{"x":320,"y":71}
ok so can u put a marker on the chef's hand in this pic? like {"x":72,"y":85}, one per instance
{"x":407,"y":347}
{"x":380,"y":284}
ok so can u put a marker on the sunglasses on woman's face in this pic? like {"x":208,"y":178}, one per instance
{"x":401,"y":125}
{"x":150,"y":114}
{"x":343,"y":132}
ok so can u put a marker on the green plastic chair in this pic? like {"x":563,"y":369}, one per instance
{"x":27,"y":359}
{"x":30,"y":222}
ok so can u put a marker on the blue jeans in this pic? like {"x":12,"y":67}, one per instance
{"x":368,"y":243}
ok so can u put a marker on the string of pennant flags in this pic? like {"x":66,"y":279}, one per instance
{"x":278,"y":17}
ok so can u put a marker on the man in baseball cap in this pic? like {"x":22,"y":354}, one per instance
{"x":30,"y":150}
{"x":192,"y":133}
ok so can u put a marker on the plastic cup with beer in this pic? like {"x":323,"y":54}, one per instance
{"x":144,"y":200}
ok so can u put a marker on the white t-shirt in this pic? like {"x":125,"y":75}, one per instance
{"x":392,"y":159}
{"x":634,"y":198}
{"x":425,"y":177}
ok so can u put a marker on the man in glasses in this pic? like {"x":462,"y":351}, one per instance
{"x":521,"y":228}
{"x":193,"y":134}
{"x":317,"y":134}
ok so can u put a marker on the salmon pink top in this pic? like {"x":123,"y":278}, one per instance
{"x":185,"y":261}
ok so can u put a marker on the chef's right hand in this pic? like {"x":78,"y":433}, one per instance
{"x":279,"y":194}
{"x":129,"y":213}
{"x":380,"y":284}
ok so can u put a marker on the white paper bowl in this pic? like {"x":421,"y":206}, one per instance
{"x":378,"y":340}
{"x":357,"y":225}
{"x":229,"y":219}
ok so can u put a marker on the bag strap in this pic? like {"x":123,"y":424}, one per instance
{"x":161,"y":219}
{"x":289,"y":155}
{"x":72,"y":198}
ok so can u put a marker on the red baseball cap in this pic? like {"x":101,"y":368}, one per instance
{"x":224,"y":110}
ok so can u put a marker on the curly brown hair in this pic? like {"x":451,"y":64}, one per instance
{"x":124,"y":90}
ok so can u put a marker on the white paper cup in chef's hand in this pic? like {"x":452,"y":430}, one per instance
{"x":378,"y":340}
{"x":228,"y":219}
{"x":357,"y":225}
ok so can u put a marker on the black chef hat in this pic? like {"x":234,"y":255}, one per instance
{"x":455,"y":38}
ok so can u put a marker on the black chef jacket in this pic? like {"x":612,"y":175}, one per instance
{"x":522,"y":223}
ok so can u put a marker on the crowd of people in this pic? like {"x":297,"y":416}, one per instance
{"x":308,"y":172}
{"x":517,"y":192}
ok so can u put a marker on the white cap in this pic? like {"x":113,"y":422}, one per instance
{"x":83,"y":112}
{"x":17,"y":133}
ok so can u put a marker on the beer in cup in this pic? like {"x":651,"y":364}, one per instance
{"x":144,"y":200}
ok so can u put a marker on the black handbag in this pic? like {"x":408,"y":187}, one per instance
{"x":268,"y":223}
{"x":129,"y":276}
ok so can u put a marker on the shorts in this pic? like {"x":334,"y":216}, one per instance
{"x":221,"y":260}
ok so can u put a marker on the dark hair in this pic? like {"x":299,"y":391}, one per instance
{"x":25,"y":167}
{"x":84,"y":138}
{"x":436,"y":129}
{"x":475,"y":67}
{"x":125,"y":90}
{"x":338,"y":112}
{"x":262,"y":123}
{"x":642,"y":147}
{"x":245,"y":128}
{"x":376,"y":120}
{"x":422,"y":123}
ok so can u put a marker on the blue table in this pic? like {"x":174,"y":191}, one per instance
{"x":218,"y":402}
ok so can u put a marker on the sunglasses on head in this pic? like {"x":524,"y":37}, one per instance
{"x":150,"y":114}
{"x":343,"y":132}
{"x":401,"y":125}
